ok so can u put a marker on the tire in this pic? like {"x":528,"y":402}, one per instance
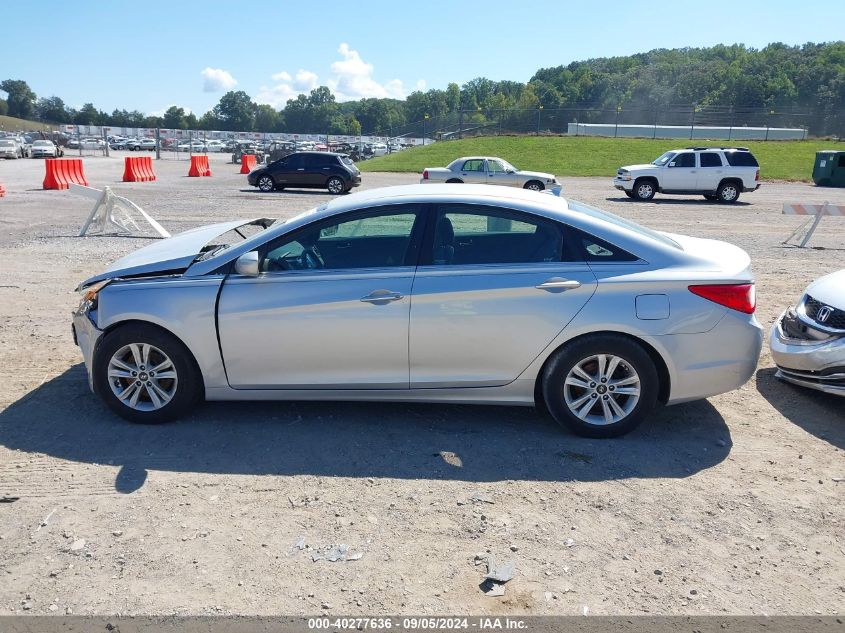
{"x":728,"y":192}
{"x":630,"y":194}
{"x":644,"y":190}
{"x":534,"y":185}
{"x":265,"y":183}
{"x":580,"y":360}
{"x":710,"y":196}
{"x":159,"y":399}
{"x":456,"y":181}
{"x":335,"y":185}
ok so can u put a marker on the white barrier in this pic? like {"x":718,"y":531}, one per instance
{"x":102,"y":216}
{"x":816,"y":211}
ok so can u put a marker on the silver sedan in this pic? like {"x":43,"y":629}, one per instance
{"x":808,"y":339}
{"x":488,"y":170}
{"x":425,"y":293}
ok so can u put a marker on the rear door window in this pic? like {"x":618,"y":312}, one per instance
{"x":710,"y":159}
{"x":475,"y":164}
{"x":476,"y":234}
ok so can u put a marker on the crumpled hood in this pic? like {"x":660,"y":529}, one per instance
{"x":829,"y":289}
{"x":171,"y":255}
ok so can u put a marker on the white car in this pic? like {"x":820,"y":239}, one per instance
{"x":717,"y":173}
{"x":45,"y":149}
{"x":487,"y":170}
{"x":214,"y":146}
{"x":148,"y":144}
{"x":93,"y":143}
{"x":808,"y":340}
{"x":9,"y":148}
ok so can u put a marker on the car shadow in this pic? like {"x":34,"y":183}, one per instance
{"x":63,"y":419}
{"x":819,"y":413}
{"x":281,"y":192}
{"x":681,"y":201}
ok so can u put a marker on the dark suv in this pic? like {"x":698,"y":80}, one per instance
{"x":312,"y":170}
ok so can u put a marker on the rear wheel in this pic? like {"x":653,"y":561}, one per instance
{"x":265,"y":183}
{"x":146,"y":375}
{"x":533,"y":185}
{"x":644,"y":190}
{"x":710,"y":196}
{"x":630,"y":194}
{"x":454,"y":180}
{"x":335,"y":185}
{"x":728,"y":192}
{"x":600,"y":386}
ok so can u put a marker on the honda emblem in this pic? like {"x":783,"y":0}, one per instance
{"x":824,"y":314}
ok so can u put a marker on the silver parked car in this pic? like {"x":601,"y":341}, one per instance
{"x":425,"y":293}
{"x":808,"y":340}
{"x":486,"y":170}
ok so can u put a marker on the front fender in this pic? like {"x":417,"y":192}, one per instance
{"x":184,"y":306}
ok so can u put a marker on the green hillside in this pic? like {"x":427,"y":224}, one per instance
{"x":12,"y":124}
{"x":594,"y":156}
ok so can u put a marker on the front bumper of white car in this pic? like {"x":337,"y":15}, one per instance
{"x":623,"y":184}
{"x":807,"y":355}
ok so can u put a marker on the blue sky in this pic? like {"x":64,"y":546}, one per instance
{"x":151,"y":54}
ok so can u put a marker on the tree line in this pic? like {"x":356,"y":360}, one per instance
{"x":777,"y":77}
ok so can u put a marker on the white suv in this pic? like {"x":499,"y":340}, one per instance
{"x":718,"y":173}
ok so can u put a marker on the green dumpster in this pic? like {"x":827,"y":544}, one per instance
{"x":829,"y":169}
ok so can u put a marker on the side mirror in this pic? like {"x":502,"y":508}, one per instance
{"x":247,"y":264}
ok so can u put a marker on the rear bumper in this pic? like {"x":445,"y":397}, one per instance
{"x":750,"y":189}
{"x":714,"y":362}
{"x":810,"y":363}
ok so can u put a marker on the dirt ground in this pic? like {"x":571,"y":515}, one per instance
{"x":731,"y":505}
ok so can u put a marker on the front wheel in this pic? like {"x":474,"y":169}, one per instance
{"x":600,"y":386}
{"x":266,"y":184}
{"x":533,"y":185}
{"x":644,"y":190}
{"x":710,"y":196}
{"x":728,"y":192}
{"x":335,"y":186}
{"x":146,"y":375}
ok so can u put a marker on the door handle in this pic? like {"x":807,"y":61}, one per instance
{"x":300,"y":169}
{"x":382,"y":297}
{"x":559,"y":283}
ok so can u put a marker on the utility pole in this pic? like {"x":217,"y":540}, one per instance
{"x":539,"y":112}
{"x":425,"y":118}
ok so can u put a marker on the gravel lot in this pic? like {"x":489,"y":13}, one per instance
{"x":731,"y":505}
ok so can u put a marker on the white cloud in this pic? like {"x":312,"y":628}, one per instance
{"x":305,"y":80}
{"x":421,"y":85}
{"x":350,"y":78}
{"x":353,"y":79}
{"x":217,"y":80}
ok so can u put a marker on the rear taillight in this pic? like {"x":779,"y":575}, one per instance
{"x":425,"y":174}
{"x":757,"y":176}
{"x":740,"y":297}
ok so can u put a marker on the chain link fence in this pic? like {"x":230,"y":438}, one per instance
{"x":672,"y":121}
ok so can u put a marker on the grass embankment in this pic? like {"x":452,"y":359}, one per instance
{"x":595,"y":156}
{"x":12,"y":124}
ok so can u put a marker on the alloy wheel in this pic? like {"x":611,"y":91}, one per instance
{"x":602,"y":389}
{"x":142,"y":377}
